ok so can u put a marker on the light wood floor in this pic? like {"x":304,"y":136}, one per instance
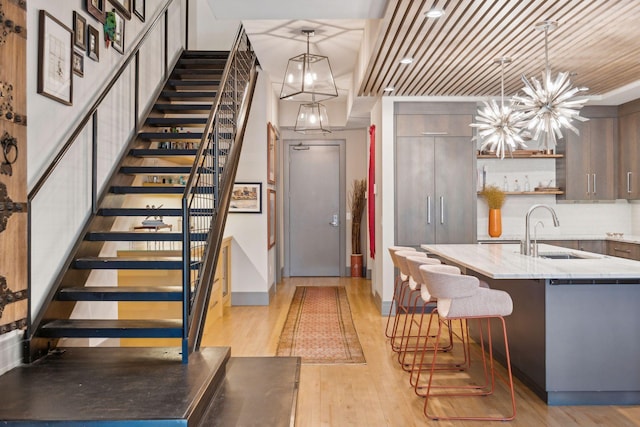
{"x":377,"y":393}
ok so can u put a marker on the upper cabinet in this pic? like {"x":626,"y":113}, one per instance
{"x":629,"y":169}
{"x":588,"y":169}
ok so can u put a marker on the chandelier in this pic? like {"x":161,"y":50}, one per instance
{"x":312,"y":119}
{"x":500,"y":127}
{"x":549,"y":105}
{"x":308,"y":77}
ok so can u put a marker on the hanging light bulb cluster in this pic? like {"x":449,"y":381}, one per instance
{"x":500,"y":127}
{"x":549,"y":105}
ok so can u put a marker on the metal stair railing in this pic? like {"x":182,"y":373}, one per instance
{"x":210,"y":184}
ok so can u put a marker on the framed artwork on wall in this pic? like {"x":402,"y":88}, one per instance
{"x":55,"y":51}
{"x":79,"y":31}
{"x":93,"y":43}
{"x":139,"y":8}
{"x":271,"y":217}
{"x":116,"y":36}
{"x":78,"y":64}
{"x":271,"y":153}
{"x":246,"y":197}
{"x":122,"y":6}
{"x":96,"y":8}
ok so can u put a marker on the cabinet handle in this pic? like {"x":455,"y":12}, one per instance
{"x":629,"y":182}
{"x":588,"y":184}
{"x":441,"y":209}
{"x":594,"y":184}
{"x":627,"y":251}
{"x":428,"y":209}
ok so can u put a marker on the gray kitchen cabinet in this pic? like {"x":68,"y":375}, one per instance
{"x":629,"y":167}
{"x":588,"y":169}
{"x":623,"y":250}
{"x":435,"y":177}
{"x":594,"y":246}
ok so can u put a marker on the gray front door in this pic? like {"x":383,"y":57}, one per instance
{"x":315,"y":223}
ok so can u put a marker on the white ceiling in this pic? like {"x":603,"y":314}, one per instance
{"x":598,"y":39}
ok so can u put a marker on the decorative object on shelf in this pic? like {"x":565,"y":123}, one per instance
{"x":550,"y":104}
{"x":312,"y":119}
{"x":114,"y":31}
{"x":96,"y":8}
{"x":9,"y":153}
{"x":79,"y":31}
{"x":122,"y":6}
{"x":55,"y":50}
{"x":357,"y":205}
{"x":78,"y":64}
{"x":272,"y":139}
{"x":246,"y":197}
{"x":93,"y":46}
{"x":308,"y":77}
{"x":271,"y":217}
{"x":495,"y":198}
{"x":139,"y":8}
{"x":500,"y":127}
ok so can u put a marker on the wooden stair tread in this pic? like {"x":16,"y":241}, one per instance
{"x":150,"y":211}
{"x":170,"y":136}
{"x":111,"y":328}
{"x":120,"y":293}
{"x":132,"y":263}
{"x":140,"y":236}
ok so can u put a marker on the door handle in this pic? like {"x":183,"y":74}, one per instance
{"x":629,"y":182}
{"x":594,"y":184}
{"x":334,"y":221}
{"x":441,"y":209}
{"x":428,"y":209}
{"x":588,"y":184}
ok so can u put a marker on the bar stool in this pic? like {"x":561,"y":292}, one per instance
{"x":461,"y":297}
{"x":396,"y":283}
{"x":408,"y":289}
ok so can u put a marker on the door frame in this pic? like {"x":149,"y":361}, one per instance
{"x":341,"y":143}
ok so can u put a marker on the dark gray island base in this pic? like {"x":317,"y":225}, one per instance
{"x":574,"y":340}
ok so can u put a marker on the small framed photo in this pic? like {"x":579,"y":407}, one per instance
{"x":93,"y":43}
{"x":55,"y":51}
{"x":78,"y":64}
{"x":117,"y":38}
{"x":139,"y":8}
{"x":79,"y":31}
{"x":271,"y":153}
{"x":96,"y":8}
{"x":122,"y":6}
{"x":271,"y":217}
{"x":246,"y":197}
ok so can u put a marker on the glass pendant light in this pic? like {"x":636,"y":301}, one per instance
{"x":312,"y":119}
{"x":308,"y":77}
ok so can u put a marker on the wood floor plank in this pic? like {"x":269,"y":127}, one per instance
{"x":378,"y":393}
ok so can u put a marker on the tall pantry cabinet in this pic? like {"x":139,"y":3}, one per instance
{"x":629,"y":170}
{"x":435,"y":180}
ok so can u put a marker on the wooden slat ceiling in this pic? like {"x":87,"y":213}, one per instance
{"x":597,"y":41}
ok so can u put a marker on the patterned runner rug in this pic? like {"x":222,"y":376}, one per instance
{"x":319,"y":327}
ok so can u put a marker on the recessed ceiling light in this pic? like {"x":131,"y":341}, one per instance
{"x":434,"y":13}
{"x":389,"y":89}
{"x":406,"y":60}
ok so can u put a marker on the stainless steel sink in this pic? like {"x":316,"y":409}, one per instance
{"x":564,"y":255}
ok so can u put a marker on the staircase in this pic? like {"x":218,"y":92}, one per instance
{"x":171,"y":175}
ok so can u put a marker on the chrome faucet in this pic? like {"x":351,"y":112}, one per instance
{"x":526,"y":248}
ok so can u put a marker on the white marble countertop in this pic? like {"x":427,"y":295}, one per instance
{"x":504,"y":261}
{"x":627,"y":238}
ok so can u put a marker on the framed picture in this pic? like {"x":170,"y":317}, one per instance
{"x":246,"y":197}
{"x":271,"y":154}
{"x":118,"y":33}
{"x":55,"y":49}
{"x":78,"y":64}
{"x":96,"y":9}
{"x":271,"y":217}
{"x":122,"y":6}
{"x":79,"y":31}
{"x":93,"y":43}
{"x":139,"y":8}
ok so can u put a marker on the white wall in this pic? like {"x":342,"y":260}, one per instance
{"x":206,"y":31}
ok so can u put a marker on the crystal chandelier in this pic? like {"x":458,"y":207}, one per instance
{"x":500,"y":127}
{"x":549,"y":104}
{"x":308,"y":77}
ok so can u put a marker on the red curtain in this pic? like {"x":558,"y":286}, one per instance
{"x":371,"y":196}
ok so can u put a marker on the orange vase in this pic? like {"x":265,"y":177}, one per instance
{"x":495,"y":222}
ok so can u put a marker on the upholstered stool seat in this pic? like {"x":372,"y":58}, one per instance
{"x":398,"y":280}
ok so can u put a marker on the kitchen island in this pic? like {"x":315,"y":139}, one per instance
{"x":574,"y":334}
